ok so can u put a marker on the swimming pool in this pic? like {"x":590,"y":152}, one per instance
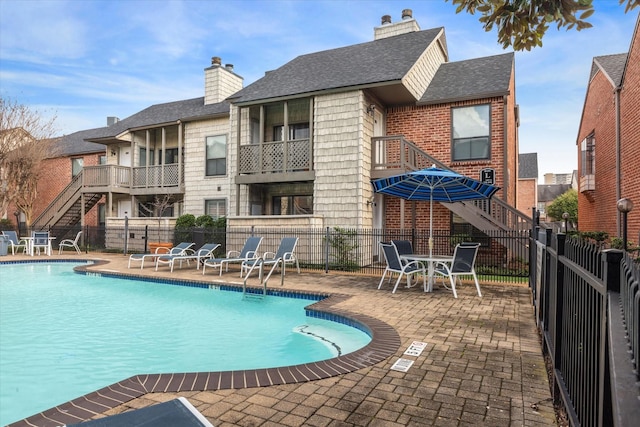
{"x":114,"y":328}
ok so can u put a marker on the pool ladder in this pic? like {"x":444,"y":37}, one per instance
{"x":259,"y":263}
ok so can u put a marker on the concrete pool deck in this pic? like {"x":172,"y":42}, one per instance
{"x":482,"y":365}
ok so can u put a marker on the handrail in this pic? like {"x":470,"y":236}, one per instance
{"x":260,"y":261}
{"x":396,"y":152}
{"x":61,"y":199}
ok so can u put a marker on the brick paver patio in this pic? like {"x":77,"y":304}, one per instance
{"x":483,"y":363}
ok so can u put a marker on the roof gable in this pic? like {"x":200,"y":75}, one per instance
{"x":470,"y":79}
{"x":611,"y":65}
{"x":377,"y":62}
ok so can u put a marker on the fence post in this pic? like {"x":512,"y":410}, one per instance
{"x":326,"y":251}
{"x":146,"y":238}
{"x":557,"y":308}
{"x":611,"y":259}
{"x":126,"y":233}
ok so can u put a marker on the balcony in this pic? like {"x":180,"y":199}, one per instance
{"x":587,"y":183}
{"x":140,"y":180}
{"x":277,"y":161}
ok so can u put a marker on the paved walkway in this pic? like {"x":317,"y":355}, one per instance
{"x":482,"y":365}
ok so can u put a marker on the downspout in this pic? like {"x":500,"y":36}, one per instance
{"x":238,"y":128}
{"x":505,"y":160}
{"x":616,"y":98}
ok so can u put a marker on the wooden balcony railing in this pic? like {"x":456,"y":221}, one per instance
{"x":276,"y":157}
{"x":113,"y":176}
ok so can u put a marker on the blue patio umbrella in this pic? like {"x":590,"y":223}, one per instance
{"x":433,"y":184}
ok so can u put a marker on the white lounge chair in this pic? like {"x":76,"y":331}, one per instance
{"x":249,"y":251}
{"x":205,"y":252}
{"x":40,"y":240}
{"x":15,"y":242}
{"x":176,"y":250}
{"x":69,"y":243}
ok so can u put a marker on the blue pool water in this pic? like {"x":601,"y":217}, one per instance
{"x":64,"y":334}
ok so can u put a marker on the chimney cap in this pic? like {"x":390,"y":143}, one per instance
{"x":386,"y":19}
{"x":228,"y":67}
{"x":216,"y":61}
{"x":407,"y":14}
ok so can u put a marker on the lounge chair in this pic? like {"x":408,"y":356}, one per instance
{"x":205,"y":252}
{"x":70,"y":243}
{"x":283,"y":256}
{"x":249,"y":251}
{"x":462,"y":264}
{"x":40,"y":240}
{"x":395,"y":265}
{"x":15,"y":242}
{"x":176,"y":250}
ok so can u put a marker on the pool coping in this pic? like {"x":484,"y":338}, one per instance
{"x":384,"y":343}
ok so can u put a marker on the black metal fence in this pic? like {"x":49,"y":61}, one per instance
{"x":587,"y":302}
{"x":502,"y":257}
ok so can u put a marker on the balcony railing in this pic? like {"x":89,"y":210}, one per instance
{"x":113,"y":176}
{"x":276,"y":157}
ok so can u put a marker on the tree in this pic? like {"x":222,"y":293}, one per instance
{"x":523,"y":23}
{"x":25,"y":140}
{"x":566,"y":202}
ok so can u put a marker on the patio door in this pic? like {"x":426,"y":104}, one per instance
{"x":124,"y":208}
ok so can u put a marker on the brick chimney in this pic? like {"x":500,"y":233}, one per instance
{"x":220,"y":82}
{"x":389,"y":29}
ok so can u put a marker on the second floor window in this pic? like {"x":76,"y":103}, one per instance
{"x":216,"y":155}
{"x":76,"y":166}
{"x":587,"y":155}
{"x":471,"y":133}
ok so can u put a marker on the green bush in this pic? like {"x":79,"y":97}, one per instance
{"x":205,"y":221}
{"x":185,"y":221}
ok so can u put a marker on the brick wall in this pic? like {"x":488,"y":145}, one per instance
{"x":55,"y":175}
{"x":630,"y":136}
{"x":527,"y":191}
{"x":598,"y":212}
{"x":429,"y":127}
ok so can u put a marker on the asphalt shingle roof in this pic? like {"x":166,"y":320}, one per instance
{"x":549,"y":192}
{"x":470,"y":79}
{"x":528,"y":165}
{"x":74,"y":144}
{"x":185,"y":110}
{"x":611,"y":65}
{"x":379,"y":61}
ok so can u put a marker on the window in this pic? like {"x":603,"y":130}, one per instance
{"x":76,"y":166}
{"x":471,"y":133}
{"x":216,"y":162}
{"x":102,"y":159}
{"x":215,"y":208}
{"x":143,"y":157}
{"x":292,"y":205}
{"x":587,"y":156}
{"x":296,"y":131}
{"x":170,"y":156}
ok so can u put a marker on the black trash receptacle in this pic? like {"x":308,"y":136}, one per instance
{"x":4,"y":245}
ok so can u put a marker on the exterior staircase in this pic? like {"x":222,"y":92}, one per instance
{"x":65,"y":210}
{"x":395,"y":155}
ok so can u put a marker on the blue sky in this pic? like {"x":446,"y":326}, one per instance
{"x":84,"y":60}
